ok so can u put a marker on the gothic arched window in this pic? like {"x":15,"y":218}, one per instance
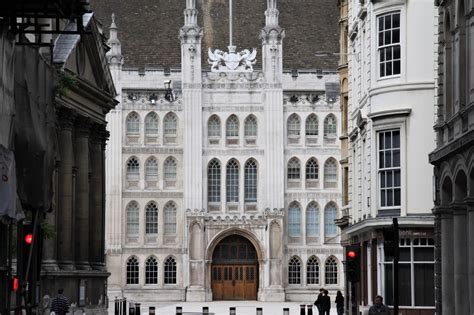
{"x":133,"y":123}
{"x":151,"y":218}
{"x":250,"y":128}
{"x":214,"y":181}
{"x":251,"y":181}
{"x":330,"y":127}
{"x":170,"y":218}
{"x":170,"y":127}
{"x":312,"y":125}
{"x":170,"y":270}
{"x":151,"y":270}
{"x":294,"y":270}
{"x":133,"y":168}
{"x":312,"y":172}
{"x":132,"y":218}
{"x":312,"y":220}
{"x":294,"y":219}
{"x":293,"y":126}
{"x":151,"y":124}
{"x":312,"y":270}
{"x":232,"y":181}
{"x":330,"y":173}
{"x":132,"y":270}
{"x":151,"y":169}
{"x":330,"y":214}
{"x":294,"y":169}
{"x":331,"y":271}
{"x":214,"y":127}
{"x":169,"y":170}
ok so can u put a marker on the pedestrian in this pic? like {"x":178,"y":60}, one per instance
{"x":326,"y":303}
{"x":60,"y":304}
{"x":379,"y":308}
{"x":319,"y":302}
{"x":339,"y":303}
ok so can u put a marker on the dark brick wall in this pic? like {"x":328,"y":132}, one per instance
{"x":148,"y":29}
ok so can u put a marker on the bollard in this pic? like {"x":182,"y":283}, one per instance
{"x":232,"y":311}
{"x":302,"y":309}
{"x":179,"y":310}
{"x":309,"y":309}
{"x":205,"y":310}
{"x":259,"y":311}
{"x":124,"y":306}
{"x":151,"y":310}
{"x":286,"y":311}
{"x":116,"y":307}
{"x":137,"y":308}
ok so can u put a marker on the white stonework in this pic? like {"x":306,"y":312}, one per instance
{"x":271,"y":97}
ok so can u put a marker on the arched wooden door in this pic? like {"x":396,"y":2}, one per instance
{"x":234,"y":270}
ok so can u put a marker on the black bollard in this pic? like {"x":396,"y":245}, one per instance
{"x":302,"y":309}
{"x":286,"y":311}
{"x":309,"y":309}
{"x":151,"y":310}
{"x":259,"y":311}
{"x":179,"y":310}
{"x":232,"y":311}
{"x":124,"y":306}
{"x":205,"y":310}
{"x":137,"y":308}
{"x":116,"y":307}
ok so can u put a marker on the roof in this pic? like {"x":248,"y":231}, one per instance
{"x":148,"y":29}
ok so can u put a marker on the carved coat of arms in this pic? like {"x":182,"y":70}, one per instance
{"x":231,"y":61}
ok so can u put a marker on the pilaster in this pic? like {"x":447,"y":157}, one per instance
{"x":447,"y":261}
{"x":470,"y":240}
{"x":461,"y":286}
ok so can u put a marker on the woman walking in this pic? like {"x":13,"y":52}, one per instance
{"x":339,"y":303}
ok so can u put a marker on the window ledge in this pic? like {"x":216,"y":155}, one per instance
{"x":389,"y":113}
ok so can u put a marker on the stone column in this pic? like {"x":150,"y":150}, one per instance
{"x":82,"y":132}
{"x":49,"y":243}
{"x":461,"y":287}
{"x":65,"y":190}
{"x":437,"y":254}
{"x":447,"y":262}
{"x":470,"y":223}
{"x":96,"y":197}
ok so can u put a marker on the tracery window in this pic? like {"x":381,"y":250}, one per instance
{"x":312,"y":271}
{"x":170,"y":270}
{"x":330,"y":126}
{"x":331,"y":271}
{"x":232,"y":127}
{"x":170,"y":218}
{"x":294,"y":220}
{"x":250,"y":126}
{"x":312,"y":220}
{"x":133,"y":123}
{"x":151,"y":124}
{"x":132,"y":270}
{"x":293,"y":126}
{"x":170,"y":125}
{"x":294,"y":270}
{"x":330,"y":214}
{"x":132,"y":218}
{"x":232,"y":181}
{"x":294,"y":169}
{"x":151,"y":218}
{"x":312,"y":169}
{"x":251,"y":181}
{"x":133,"y":168}
{"x":214,"y":181}
{"x":214,"y":126}
{"x":330,"y":173}
{"x":312,"y":125}
{"x":151,"y":169}
{"x":169,"y":169}
{"x":151,"y":271}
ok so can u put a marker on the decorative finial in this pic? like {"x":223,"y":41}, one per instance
{"x":113,"y":17}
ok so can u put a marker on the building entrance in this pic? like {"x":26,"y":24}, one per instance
{"x":234,"y":270}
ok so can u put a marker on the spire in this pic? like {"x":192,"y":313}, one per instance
{"x":271,"y":13}
{"x":190,"y":13}
{"x":115,"y":52}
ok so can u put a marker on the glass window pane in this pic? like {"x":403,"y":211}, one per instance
{"x":424,"y":253}
{"x":424,"y":285}
{"x":405,"y":284}
{"x":388,"y":284}
{"x":404,"y":254}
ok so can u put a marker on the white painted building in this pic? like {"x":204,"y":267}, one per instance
{"x":391,"y":51}
{"x":228,"y":187}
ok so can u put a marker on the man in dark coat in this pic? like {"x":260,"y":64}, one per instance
{"x":319,"y":301}
{"x":60,"y":304}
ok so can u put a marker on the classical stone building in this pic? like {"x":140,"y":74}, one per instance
{"x":223,"y":180}
{"x":391,"y":92}
{"x":453,"y":159}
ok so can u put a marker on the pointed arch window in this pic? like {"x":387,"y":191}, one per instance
{"x":133,"y":123}
{"x":151,"y":124}
{"x":293,"y":127}
{"x":170,"y":125}
{"x":250,"y":129}
{"x":214,"y":181}
{"x":312,"y":271}
{"x":312,"y":173}
{"x":330,"y":214}
{"x":151,"y":270}
{"x":132,"y":270}
{"x":133,"y":168}
{"x":214,"y":129}
{"x":312,"y":220}
{"x":330,"y":173}
{"x":312,"y":126}
{"x":132,"y":218}
{"x":294,"y":173}
{"x":170,"y":270}
{"x":170,"y":218}
{"x":294,"y":270}
{"x":331,"y":271}
{"x":169,"y":170}
{"x":294,"y":220}
{"x":251,"y":181}
{"x":330,"y":128}
{"x":151,"y":218}
{"x":232,"y":181}
{"x":151,"y":169}
{"x":232,"y":130}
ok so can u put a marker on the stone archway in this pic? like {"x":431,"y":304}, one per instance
{"x":234,"y":269}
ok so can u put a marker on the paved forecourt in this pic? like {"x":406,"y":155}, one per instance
{"x":221,"y":307}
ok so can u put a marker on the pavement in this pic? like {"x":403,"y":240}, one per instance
{"x":222,"y":308}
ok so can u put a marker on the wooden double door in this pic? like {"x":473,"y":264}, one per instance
{"x":234,"y":282}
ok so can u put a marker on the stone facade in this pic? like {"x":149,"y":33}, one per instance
{"x":225,"y":153}
{"x":453,"y":159}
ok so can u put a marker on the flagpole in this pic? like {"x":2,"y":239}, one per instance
{"x":230,"y":22}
